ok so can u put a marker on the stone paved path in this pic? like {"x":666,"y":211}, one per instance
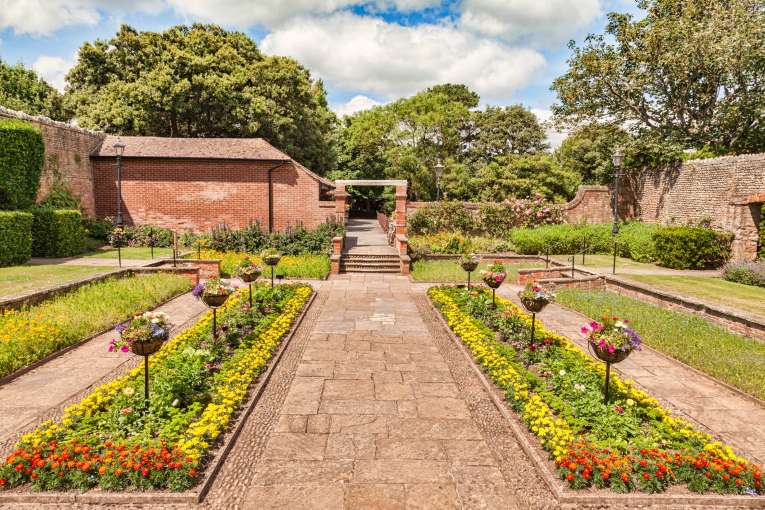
{"x":728,"y":415}
{"x":365,"y":236}
{"x":40,"y":393}
{"x":380,"y":412}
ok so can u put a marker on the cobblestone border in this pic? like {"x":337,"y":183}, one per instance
{"x":198,"y":493}
{"x":538,"y":457}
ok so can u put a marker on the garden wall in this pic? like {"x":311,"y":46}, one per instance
{"x":67,"y":156}
{"x":726,"y":191}
{"x":197,"y":194}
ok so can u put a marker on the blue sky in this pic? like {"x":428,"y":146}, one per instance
{"x":367,"y":52}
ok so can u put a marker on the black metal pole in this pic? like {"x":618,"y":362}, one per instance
{"x":215,"y":322}
{"x":613,"y":270}
{"x":272,"y":277}
{"x":584,"y":248}
{"x":533,"y":325}
{"x":119,"y":254}
{"x":146,"y":380}
{"x":152,"y":250}
{"x":572,"y":266}
{"x":250,"y":284}
{"x":547,"y":258}
{"x":493,"y":303}
{"x":608,"y":376}
{"x":119,"y":190}
{"x":468,"y":279}
{"x":199,"y":251}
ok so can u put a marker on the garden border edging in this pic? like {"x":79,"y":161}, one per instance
{"x":566,"y":496}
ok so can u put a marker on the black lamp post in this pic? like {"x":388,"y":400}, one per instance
{"x":439,"y":170}
{"x":617,"y":159}
{"x":119,"y":150}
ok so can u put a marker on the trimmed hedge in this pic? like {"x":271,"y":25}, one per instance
{"x":562,"y":239}
{"x":21,"y":163}
{"x":57,"y":233}
{"x":15,"y":237}
{"x":686,"y":247}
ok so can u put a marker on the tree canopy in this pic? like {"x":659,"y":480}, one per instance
{"x":22,"y":89}
{"x":201,"y":81}
{"x":692,"y":72}
{"x":406,"y":139}
{"x":588,"y":151}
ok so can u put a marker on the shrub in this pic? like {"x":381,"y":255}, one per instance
{"x":98,"y":228}
{"x":57,"y":233}
{"x":441,"y":217}
{"x":452,"y":243}
{"x":252,"y":239}
{"x":748,"y":273}
{"x":496,"y":219}
{"x":149,"y":235}
{"x":686,"y":247}
{"x":21,"y":163}
{"x":635,"y":241}
{"x":15,"y":237}
{"x":563,"y":239}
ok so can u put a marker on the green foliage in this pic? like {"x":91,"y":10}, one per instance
{"x":732,"y":358}
{"x":502,"y":131}
{"x":635,"y":240}
{"x":689,"y":73}
{"x":148,"y":235}
{"x":15,"y":237}
{"x":453,"y":243}
{"x":22,"y":89}
{"x":63,"y":320}
{"x":514,"y":176}
{"x":688,"y":247}
{"x":59,"y":195}
{"x":747,"y":273}
{"x":21,"y":163}
{"x":201,"y":81}
{"x":441,"y":217}
{"x":57,"y":232}
{"x":588,"y":150}
{"x":98,"y":228}
{"x":449,"y":271}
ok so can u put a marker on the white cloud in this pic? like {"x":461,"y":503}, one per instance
{"x":356,"y":104}
{"x":44,"y":17}
{"x":53,"y":70}
{"x":272,"y":13}
{"x":545,"y":22}
{"x":554,"y":137}
{"x":384,"y":59}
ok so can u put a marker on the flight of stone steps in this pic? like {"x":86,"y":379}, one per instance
{"x":357,"y":263}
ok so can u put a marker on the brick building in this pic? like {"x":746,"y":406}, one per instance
{"x":197,"y":183}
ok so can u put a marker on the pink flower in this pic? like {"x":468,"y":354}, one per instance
{"x":111,"y":347}
{"x":124,"y":348}
{"x":585,"y":330}
{"x":611,"y":349}
{"x":619,"y":409}
{"x":126,"y":410}
{"x":602,"y":344}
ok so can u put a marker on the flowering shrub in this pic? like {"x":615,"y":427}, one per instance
{"x":612,"y":334}
{"x":497,"y":219}
{"x":198,"y":383}
{"x":294,"y":266}
{"x":144,"y":328}
{"x":630,"y":444}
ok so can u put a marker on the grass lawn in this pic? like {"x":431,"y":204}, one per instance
{"x":714,"y":290}
{"x":135,"y":253}
{"x":448,"y":271}
{"x":603,"y":261}
{"x":735,"y":359}
{"x":32,"y":333}
{"x":22,"y":279}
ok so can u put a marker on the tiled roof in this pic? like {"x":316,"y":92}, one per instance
{"x":202,"y":148}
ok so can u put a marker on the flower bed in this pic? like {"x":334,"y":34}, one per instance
{"x":291,"y":266}
{"x":631,"y":443}
{"x":108,"y":440}
{"x":33,"y":333}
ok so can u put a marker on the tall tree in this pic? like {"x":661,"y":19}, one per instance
{"x":588,"y":151}
{"x":691,"y":72}
{"x":498,"y":131}
{"x":201,"y":81}
{"x":22,"y":89}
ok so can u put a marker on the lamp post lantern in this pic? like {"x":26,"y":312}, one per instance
{"x":617,"y":159}
{"x":119,"y":150}
{"x":439,"y":170}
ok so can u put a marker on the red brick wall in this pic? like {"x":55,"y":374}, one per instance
{"x":199,"y":194}
{"x":67,"y":156}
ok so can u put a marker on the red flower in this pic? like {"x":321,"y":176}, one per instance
{"x":2,"y":482}
{"x":19,"y":467}
{"x":569,"y":477}
{"x":646,"y":476}
{"x":145,"y":472}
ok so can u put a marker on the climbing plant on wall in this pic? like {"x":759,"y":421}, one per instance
{"x":21,"y":162}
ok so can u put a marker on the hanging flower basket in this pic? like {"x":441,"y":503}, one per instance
{"x":248,"y":271}
{"x":494,"y":275}
{"x":213,"y":292}
{"x":470,"y":262}
{"x":609,"y":357}
{"x":535,"y":298}
{"x":147,"y":348}
{"x":270,"y":257}
{"x":611,"y":339}
{"x":144,"y":334}
{"x":214,"y":300}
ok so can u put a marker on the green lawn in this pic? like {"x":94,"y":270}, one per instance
{"x":135,"y":253}
{"x":713,"y":290}
{"x":22,"y":279}
{"x":735,"y":359}
{"x":449,"y":271}
{"x":602,"y":261}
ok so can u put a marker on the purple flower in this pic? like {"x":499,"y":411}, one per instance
{"x":120,"y":327}
{"x":198,"y":290}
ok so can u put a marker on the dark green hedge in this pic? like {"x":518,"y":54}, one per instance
{"x":57,"y":233}
{"x":15,"y":237}
{"x":21,"y":162}
{"x":686,"y":247}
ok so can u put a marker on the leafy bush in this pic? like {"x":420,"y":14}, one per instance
{"x":149,"y":235}
{"x":748,"y":273}
{"x":252,"y":239}
{"x":686,"y":247}
{"x":21,"y":163}
{"x":441,"y":217}
{"x":453,"y":243}
{"x":57,"y":232}
{"x":290,"y":266}
{"x":635,"y":241}
{"x":15,"y":237}
{"x":98,"y":228}
{"x":496,"y":219}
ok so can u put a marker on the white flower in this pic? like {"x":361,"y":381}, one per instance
{"x":129,"y":391}
{"x":562,"y":372}
{"x":630,"y":402}
{"x":155,"y":321}
{"x":579,"y":387}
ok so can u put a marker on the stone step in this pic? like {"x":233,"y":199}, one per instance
{"x":346,"y":265}
{"x":370,"y":270}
